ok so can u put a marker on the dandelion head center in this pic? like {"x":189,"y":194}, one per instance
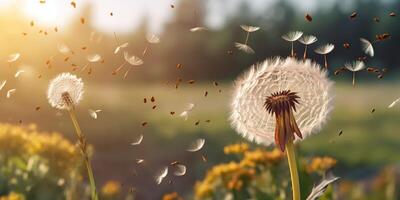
{"x":281,"y":101}
{"x":67,"y":99}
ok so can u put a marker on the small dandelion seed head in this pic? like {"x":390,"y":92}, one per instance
{"x":324,"y":49}
{"x":65,"y":91}
{"x":355,"y":66}
{"x":303,"y":84}
{"x":292,"y":36}
{"x":308,"y":39}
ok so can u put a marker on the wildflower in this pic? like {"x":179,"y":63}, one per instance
{"x":13,"y":196}
{"x":292,"y":37}
{"x":355,"y":67}
{"x":236,"y":148}
{"x":172,"y":196}
{"x":307,"y":40}
{"x":111,"y":188}
{"x":321,"y":164}
{"x":324,"y":50}
{"x":296,"y":92}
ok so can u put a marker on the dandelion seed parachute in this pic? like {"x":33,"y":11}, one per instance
{"x":244,"y":47}
{"x":65,"y":83}
{"x":196,"y":145}
{"x":367,"y":47}
{"x":305,"y":78}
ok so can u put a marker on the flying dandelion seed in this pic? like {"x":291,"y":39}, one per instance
{"x":355,"y":67}
{"x":93,"y":113}
{"x":292,"y":37}
{"x":138,"y":140}
{"x":18,"y":73}
{"x":151,"y":39}
{"x":197,"y":145}
{"x":395,"y":102}
{"x":139,"y":161}
{"x":13,"y":57}
{"x":198,"y":29}
{"x":324,"y":50}
{"x":132,"y":60}
{"x":119,"y":47}
{"x":185,"y":114}
{"x":244,"y":46}
{"x":64,"y":93}
{"x":63,"y":48}
{"x":161,"y":175}
{"x":296,"y":95}
{"x":367,"y":47}
{"x":2,"y":84}
{"x":307,"y":40}
{"x":180,"y":171}
{"x":91,"y":58}
{"x":10,"y":92}
{"x":319,"y":190}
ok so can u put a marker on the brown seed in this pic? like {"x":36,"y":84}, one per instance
{"x":144,"y":100}
{"x":208,"y":121}
{"x":84,"y":47}
{"x":191,"y":81}
{"x":56,"y":29}
{"x":82,"y":20}
{"x":229,"y":52}
{"x":340,"y":133}
{"x":32,"y":23}
{"x":152,"y":99}
{"x":197,"y":123}
{"x":172,"y":6}
{"x":37,"y":108}
{"x":24,"y":33}
{"x":172,"y":112}
{"x":205,"y":94}
{"x":308,"y":17}
{"x":154,"y":107}
{"x":215,"y":83}
{"x":346,"y":45}
{"x":353,"y":15}
{"x":42,"y":1}
{"x":377,"y":19}
{"x":380,"y":76}
{"x":73,"y":4}
{"x":111,"y":14}
{"x":373,"y":110}
{"x":144,"y":124}
{"x":179,"y":66}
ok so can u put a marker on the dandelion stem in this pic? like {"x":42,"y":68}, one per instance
{"x":305,"y":53}
{"x":326,"y":62}
{"x":247,"y":38}
{"x":293,"y":169}
{"x":82,"y":144}
{"x":292,"y":52}
{"x":354,"y":78}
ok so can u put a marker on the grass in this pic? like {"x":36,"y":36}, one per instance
{"x":368,"y":139}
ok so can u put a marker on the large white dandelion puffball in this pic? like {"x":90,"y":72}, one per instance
{"x":248,"y":114}
{"x":63,"y":84}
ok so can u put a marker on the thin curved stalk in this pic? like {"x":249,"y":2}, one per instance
{"x":354,"y":79}
{"x":305,"y":53}
{"x":82,"y":144}
{"x":326,"y":62}
{"x":292,"y":51}
{"x":293,"y":169}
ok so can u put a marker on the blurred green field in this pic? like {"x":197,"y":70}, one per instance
{"x":369,"y":140}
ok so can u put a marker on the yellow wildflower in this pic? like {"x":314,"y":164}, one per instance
{"x":172,"y":196}
{"x":111,"y":188}
{"x":321,"y":164}
{"x":13,"y":196}
{"x":236,"y":148}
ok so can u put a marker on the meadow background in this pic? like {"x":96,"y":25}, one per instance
{"x":369,"y":140}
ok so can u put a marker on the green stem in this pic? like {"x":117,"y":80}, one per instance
{"x":293,"y":169}
{"x":82,"y":144}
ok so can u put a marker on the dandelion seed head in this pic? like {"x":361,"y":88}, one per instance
{"x":13,"y":57}
{"x":64,"y":91}
{"x":292,"y":36}
{"x":324,"y":49}
{"x":133,"y":60}
{"x":367,"y":47}
{"x":308,"y":39}
{"x":152,"y":39}
{"x":248,"y":115}
{"x":244,"y":47}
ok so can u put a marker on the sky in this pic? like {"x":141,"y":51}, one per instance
{"x":128,"y":14}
